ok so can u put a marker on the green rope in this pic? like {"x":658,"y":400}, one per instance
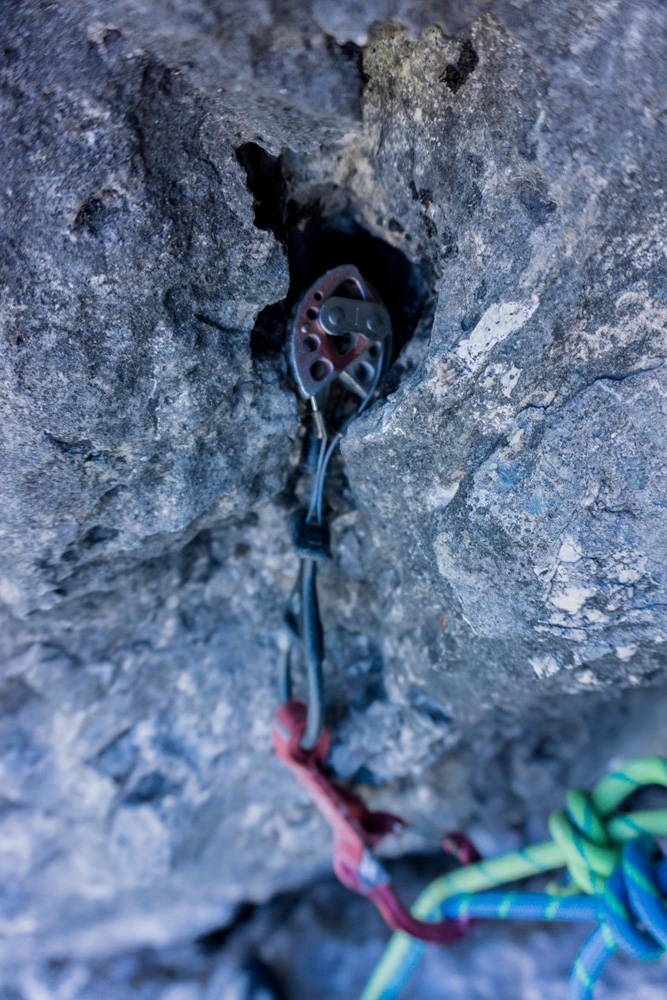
{"x":587,"y":840}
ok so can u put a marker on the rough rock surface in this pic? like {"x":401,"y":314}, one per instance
{"x":498,"y":586}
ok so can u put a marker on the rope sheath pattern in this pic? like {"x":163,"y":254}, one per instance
{"x":614,"y":880}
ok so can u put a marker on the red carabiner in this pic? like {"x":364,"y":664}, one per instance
{"x":357,"y":830}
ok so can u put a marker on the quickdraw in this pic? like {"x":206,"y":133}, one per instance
{"x":339,"y":346}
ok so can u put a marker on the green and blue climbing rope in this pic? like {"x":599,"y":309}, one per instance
{"x":610,"y":860}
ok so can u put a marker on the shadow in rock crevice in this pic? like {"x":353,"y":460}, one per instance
{"x":323,"y":229}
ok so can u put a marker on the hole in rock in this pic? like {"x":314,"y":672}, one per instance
{"x":322,"y":229}
{"x":456,"y":74}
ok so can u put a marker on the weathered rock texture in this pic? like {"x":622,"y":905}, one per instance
{"x":499,"y":532}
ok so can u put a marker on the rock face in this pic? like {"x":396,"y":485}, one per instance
{"x":172,"y":175}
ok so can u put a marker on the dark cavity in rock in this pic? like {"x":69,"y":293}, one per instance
{"x":455,"y":75}
{"x":323,"y":229}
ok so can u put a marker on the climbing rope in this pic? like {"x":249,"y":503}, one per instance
{"x":610,"y":859}
{"x":339,"y":345}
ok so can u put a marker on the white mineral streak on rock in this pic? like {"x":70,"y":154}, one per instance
{"x":509,"y":380}
{"x":440,"y":496}
{"x":506,"y":376}
{"x":498,"y":322}
{"x":441,"y":374}
{"x":571,"y":599}
{"x":570,"y":551}
{"x":544,"y":666}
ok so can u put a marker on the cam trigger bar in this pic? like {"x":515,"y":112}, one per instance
{"x":357,"y":830}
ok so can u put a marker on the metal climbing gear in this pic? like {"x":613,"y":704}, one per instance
{"x":357,"y":830}
{"x":340,"y":330}
{"x":339,"y":345}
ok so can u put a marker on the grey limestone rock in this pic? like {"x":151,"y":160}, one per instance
{"x":495,"y":611}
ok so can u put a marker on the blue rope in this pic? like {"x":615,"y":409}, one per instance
{"x":634,"y":893}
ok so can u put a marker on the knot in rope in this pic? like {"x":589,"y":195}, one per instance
{"x":633,"y":916}
{"x":634,"y":908}
{"x":580,"y":830}
{"x":610,"y":856}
